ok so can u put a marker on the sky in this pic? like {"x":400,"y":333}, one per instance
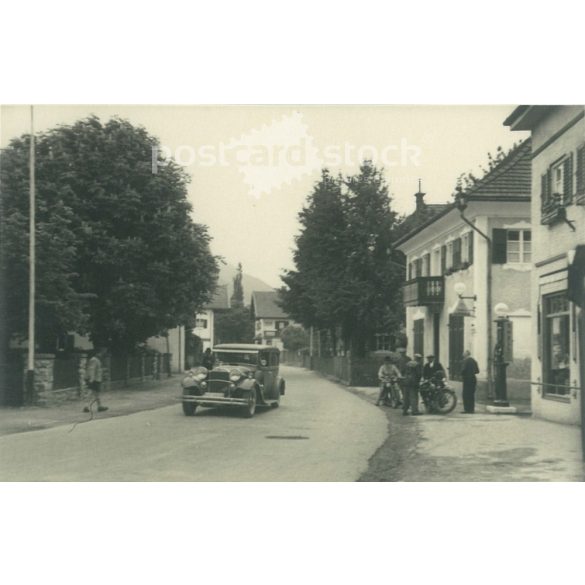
{"x":252,"y":167}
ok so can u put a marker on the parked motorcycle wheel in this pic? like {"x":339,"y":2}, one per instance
{"x":445,"y":402}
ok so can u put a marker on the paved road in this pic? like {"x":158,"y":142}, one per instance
{"x":320,"y":433}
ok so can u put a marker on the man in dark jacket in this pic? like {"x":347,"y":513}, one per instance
{"x":469,"y":369}
{"x":411,"y":374}
{"x":432,"y":367}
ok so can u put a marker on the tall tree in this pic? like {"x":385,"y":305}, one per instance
{"x":125,"y":234}
{"x":346,"y":272}
{"x":237,"y":298}
{"x":234,"y":326}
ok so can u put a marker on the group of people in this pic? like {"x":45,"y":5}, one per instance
{"x":410,"y":372}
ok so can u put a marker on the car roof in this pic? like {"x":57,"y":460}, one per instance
{"x":244,"y":347}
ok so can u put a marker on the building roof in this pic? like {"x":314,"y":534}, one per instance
{"x":509,"y":180}
{"x":526,"y":117}
{"x":265,"y":305}
{"x":511,"y":176}
{"x":220,"y":300}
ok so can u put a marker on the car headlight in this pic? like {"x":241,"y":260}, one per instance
{"x":235,"y":375}
{"x":200,"y":377}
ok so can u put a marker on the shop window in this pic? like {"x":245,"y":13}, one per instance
{"x":556,"y":344}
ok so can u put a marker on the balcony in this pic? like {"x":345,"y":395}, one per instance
{"x":424,"y":291}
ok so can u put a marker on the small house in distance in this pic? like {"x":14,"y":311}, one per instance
{"x":205,"y":320}
{"x":269,"y":318}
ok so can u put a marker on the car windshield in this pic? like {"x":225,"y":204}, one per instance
{"x":232,"y":357}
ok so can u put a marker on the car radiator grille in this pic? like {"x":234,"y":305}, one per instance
{"x":218,"y":381}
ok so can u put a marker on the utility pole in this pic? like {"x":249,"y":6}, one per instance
{"x":30,"y":373}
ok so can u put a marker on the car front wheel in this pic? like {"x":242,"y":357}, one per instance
{"x":189,"y":408}
{"x":250,"y":408}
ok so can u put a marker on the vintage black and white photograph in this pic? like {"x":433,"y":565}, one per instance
{"x":292,"y":293}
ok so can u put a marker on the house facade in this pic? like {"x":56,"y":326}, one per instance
{"x":181,"y":343}
{"x":451,"y":274}
{"x":269,"y":318}
{"x":558,"y":223}
{"x":205,"y":321}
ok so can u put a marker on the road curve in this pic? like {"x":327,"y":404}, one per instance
{"x":320,"y":433}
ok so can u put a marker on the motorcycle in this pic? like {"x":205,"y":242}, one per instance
{"x":437,"y":397}
{"x":390,"y":393}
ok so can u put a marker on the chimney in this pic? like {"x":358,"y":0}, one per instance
{"x":420,"y":203}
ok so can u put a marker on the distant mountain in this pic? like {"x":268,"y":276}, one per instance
{"x":250,"y":283}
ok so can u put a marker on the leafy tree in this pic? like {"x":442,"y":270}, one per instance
{"x":310,"y":291}
{"x":124,"y":234}
{"x":294,"y":337}
{"x":237,"y":298}
{"x":234,"y":326}
{"x":346,"y":271}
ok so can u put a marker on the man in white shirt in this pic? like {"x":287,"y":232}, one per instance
{"x":94,"y":377}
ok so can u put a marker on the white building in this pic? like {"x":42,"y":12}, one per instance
{"x":205,"y":321}
{"x":557,"y":340}
{"x":445,"y":255}
{"x":269,"y":318}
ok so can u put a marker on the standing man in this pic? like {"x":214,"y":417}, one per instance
{"x":432,"y":367}
{"x":469,"y":369}
{"x":411,"y":374}
{"x":94,"y":377}
{"x":208,"y":359}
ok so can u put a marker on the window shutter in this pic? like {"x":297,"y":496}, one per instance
{"x":499,"y":246}
{"x":470,"y":249}
{"x":427,"y":264}
{"x":568,"y":180}
{"x":457,"y":254}
{"x":410,"y":271}
{"x":539,"y":332}
{"x":581,"y":171}
{"x":443,"y":259}
{"x":543,"y":191}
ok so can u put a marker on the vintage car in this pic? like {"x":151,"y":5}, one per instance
{"x":244,"y":375}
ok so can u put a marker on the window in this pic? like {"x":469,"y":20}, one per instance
{"x":426,"y":265}
{"x":558,"y":182}
{"x":519,"y":246}
{"x":437,"y":263}
{"x":556,"y":344}
{"x":382,"y":341}
{"x":201,"y":323}
{"x":449,"y":258}
{"x":556,"y":187}
{"x":465,"y":248}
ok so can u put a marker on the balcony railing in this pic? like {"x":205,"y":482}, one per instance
{"x":424,"y":291}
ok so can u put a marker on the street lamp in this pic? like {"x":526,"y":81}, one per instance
{"x":502,"y":353}
{"x":461,"y":308}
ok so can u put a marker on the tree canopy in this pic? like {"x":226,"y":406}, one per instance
{"x":119,"y":256}
{"x":346,"y":272}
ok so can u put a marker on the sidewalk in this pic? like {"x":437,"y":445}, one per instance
{"x":120,"y":402}
{"x":479,"y":447}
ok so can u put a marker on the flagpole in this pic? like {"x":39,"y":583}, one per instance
{"x":30,"y":374}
